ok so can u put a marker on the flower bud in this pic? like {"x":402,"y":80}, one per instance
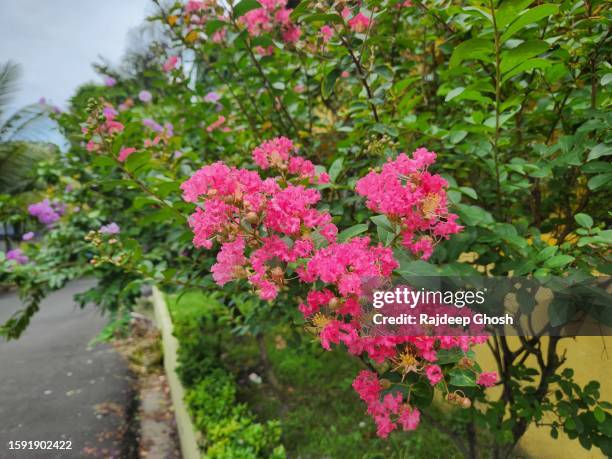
{"x":252,"y":218}
{"x":385,"y":383}
{"x":466,"y":403}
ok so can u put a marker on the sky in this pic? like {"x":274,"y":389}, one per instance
{"x":56,"y":42}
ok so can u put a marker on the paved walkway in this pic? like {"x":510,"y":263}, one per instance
{"x":54,"y":386}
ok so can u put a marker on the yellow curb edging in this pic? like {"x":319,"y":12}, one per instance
{"x":186,"y":431}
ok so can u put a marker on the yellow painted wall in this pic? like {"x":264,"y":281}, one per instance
{"x":588,"y":357}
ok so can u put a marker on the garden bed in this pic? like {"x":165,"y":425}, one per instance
{"x":314,"y":412}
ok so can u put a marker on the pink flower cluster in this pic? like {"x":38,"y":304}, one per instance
{"x":388,"y":411}
{"x":97,"y":130}
{"x":274,"y":14}
{"x":269,"y":226}
{"x":409,"y":195}
{"x":281,"y":154}
{"x":241,"y":210}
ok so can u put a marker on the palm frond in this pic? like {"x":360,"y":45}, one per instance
{"x":18,"y":161}
{"x":10,"y":72}
{"x":26,"y":123}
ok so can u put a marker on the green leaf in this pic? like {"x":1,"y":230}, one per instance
{"x":322,"y":17}
{"x":529,"y":17}
{"x":352,"y":232}
{"x":383,"y":221}
{"x":558,"y":260}
{"x":335,"y":169}
{"x":462,"y":378}
{"x":469,"y":192}
{"x":521,"y":53}
{"x":457,"y":136}
{"x":598,"y":151}
{"x":329,"y":81}
{"x":475,"y":48}
{"x":599,"y":414}
{"x":473,"y":215}
{"x":416,"y":268}
{"x":245,"y":6}
{"x":103,"y":160}
{"x":485,"y":13}
{"x":213,"y":25}
{"x":509,"y":10}
{"x":560,"y":311}
{"x":449,"y":356}
{"x":599,"y":180}
{"x":535,"y":63}
{"x":454,"y":93}
{"x":302,"y":8}
{"x":584,"y":220}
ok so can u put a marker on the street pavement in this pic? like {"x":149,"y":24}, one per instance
{"x":54,"y":386}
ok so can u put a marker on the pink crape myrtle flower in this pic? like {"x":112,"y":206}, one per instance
{"x":407,"y":192}
{"x":434,"y":374}
{"x":359,"y":23}
{"x":488,"y":379}
{"x":229,"y":259}
{"x":171,"y":63}
{"x":125,"y":152}
{"x":327,"y":33}
{"x":216,"y":124}
{"x":274,"y":14}
{"x":109,"y":81}
{"x":269,"y":230}
{"x":409,"y":418}
{"x":280,"y":153}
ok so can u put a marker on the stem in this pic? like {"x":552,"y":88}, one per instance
{"x":362,"y":76}
{"x":497,"y":106}
{"x":265,"y":80}
{"x":148,"y":190}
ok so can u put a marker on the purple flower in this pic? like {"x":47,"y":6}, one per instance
{"x":152,"y":124}
{"x":145,"y":96}
{"x":177,"y":154}
{"x":17,"y":256}
{"x":27,"y":236}
{"x":111,"y":228}
{"x":42,"y":101}
{"x":109,"y":113}
{"x":110,"y":81}
{"x":212,"y":97}
{"x":46,"y":212}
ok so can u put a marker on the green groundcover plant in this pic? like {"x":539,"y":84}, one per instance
{"x":280,"y":152}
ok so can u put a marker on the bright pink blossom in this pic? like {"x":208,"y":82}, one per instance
{"x":434,"y":374}
{"x":171,"y":63}
{"x":327,"y":32}
{"x":360,"y":23}
{"x":487,"y":379}
{"x":125,"y":152}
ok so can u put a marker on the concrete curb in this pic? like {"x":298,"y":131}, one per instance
{"x":187,"y":434}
